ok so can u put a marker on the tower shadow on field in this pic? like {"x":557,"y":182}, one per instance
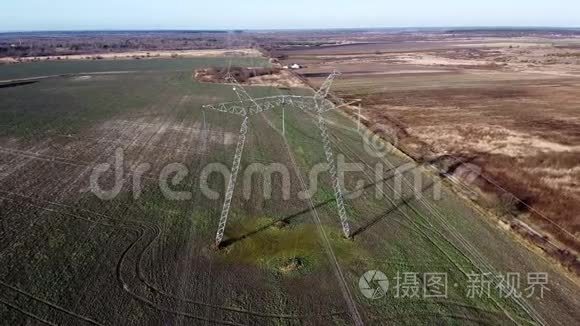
{"x":287,"y":219}
{"x":405,"y":202}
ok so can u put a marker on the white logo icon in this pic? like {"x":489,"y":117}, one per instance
{"x":373,"y":285}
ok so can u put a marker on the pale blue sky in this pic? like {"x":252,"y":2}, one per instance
{"x":29,"y":15}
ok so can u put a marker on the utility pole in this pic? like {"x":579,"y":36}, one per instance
{"x":283,"y":121}
{"x":358,"y":124}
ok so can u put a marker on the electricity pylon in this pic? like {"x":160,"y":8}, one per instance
{"x":247,"y":106}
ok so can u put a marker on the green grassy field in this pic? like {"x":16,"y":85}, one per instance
{"x":38,"y":69}
{"x":67,"y":257}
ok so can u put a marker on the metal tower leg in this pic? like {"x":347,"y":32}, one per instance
{"x":333,"y":173}
{"x":232,"y":183}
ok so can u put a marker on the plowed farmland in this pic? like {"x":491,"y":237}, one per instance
{"x":68,"y":257}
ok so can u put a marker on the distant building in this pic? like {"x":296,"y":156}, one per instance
{"x":293,"y":66}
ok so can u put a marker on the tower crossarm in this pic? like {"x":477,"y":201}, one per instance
{"x":263,"y":104}
{"x":233,"y":108}
{"x":243,"y":95}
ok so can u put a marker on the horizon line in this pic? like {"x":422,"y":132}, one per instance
{"x":514,"y":27}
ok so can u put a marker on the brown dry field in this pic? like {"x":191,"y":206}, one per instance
{"x":508,"y":107}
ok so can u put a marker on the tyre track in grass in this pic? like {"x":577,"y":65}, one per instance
{"x":134,"y":226}
{"x":156,"y":233}
{"x":434,"y":211}
{"x":24,"y":312}
{"x":144,"y":230}
{"x":141,"y":232}
{"x":143,"y":227}
{"x":86,"y":168}
{"x":347,"y":295}
{"x":139,"y":229}
{"x":418,"y":229}
{"x":52,"y":305}
{"x":472,"y":251}
{"x":44,"y":208}
{"x":524,"y":304}
{"x":156,"y":230}
{"x":11,"y":169}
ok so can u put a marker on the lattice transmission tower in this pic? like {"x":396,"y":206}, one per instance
{"x":247,"y":106}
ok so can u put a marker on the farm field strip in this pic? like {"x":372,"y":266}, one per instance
{"x":354,"y":313}
{"x":468,"y":251}
{"x":431,"y":211}
{"x":422,"y":228}
{"x":36,"y":69}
